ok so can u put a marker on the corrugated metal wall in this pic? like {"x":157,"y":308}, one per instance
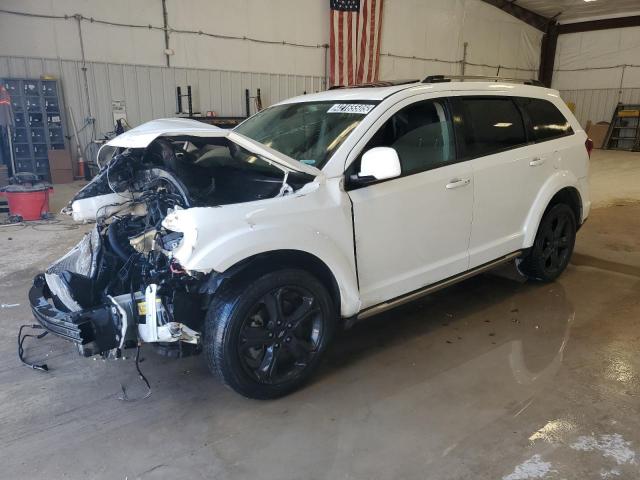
{"x":598,"y":104}
{"x":149,"y":92}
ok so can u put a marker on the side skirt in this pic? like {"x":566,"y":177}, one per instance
{"x":434,"y":287}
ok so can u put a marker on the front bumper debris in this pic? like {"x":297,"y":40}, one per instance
{"x":94,"y":330}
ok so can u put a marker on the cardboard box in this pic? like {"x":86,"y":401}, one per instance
{"x":59,"y":176}
{"x":60,"y":160}
{"x":598,"y":133}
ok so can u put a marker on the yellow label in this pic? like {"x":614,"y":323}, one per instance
{"x":142,"y":306}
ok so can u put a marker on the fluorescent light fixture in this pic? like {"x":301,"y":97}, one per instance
{"x":587,"y":1}
{"x":503,"y":125}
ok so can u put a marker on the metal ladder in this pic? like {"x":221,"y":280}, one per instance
{"x":624,"y":130}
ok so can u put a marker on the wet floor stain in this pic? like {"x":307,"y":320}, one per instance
{"x":610,"y":446}
{"x":532,"y":468}
{"x":554,"y":431}
{"x":593,"y":451}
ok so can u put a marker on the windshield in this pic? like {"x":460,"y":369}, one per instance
{"x":309,"y":132}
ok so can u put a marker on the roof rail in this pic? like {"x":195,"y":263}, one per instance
{"x":448,"y":78}
{"x":379,"y":83}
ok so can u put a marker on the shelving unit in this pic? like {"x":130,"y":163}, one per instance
{"x":38,"y":115}
{"x":624,"y":132}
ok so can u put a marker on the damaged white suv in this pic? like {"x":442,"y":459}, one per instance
{"x":252,"y":244}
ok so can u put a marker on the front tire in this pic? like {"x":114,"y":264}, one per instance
{"x":265,"y":338}
{"x":553,"y":245}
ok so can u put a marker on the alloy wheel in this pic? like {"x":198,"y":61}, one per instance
{"x":281,"y":335}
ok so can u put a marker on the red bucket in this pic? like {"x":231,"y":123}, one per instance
{"x":32,"y":204}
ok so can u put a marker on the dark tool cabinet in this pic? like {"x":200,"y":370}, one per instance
{"x":38,"y":114}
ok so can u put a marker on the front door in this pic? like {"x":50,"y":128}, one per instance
{"x":413,"y":230}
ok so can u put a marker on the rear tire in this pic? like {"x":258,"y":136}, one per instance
{"x":265,"y":338}
{"x":553,"y":245}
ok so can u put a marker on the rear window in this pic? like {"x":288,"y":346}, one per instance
{"x":492,"y":124}
{"x":547,"y":121}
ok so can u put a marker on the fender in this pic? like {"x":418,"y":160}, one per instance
{"x":245,"y":243}
{"x":215,"y":239}
{"x":555,"y":183}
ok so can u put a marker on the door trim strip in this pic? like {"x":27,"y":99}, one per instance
{"x":409,"y":297}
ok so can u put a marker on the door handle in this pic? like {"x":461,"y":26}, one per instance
{"x":536,"y":162}
{"x":457,"y":183}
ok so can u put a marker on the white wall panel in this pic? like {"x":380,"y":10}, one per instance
{"x":298,"y":21}
{"x":129,"y":63}
{"x":581,"y":75}
{"x":149,"y":91}
{"x":599,"y":104}
{"x":413,"y":28}
{"x":593,"y":51}
{"x":438,"y":29}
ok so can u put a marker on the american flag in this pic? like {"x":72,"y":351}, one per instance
{"x":354,"y":42}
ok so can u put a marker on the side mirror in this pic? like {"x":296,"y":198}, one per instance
{"x":379,"y":163}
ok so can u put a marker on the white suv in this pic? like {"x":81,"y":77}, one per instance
{"x":253,"y":244}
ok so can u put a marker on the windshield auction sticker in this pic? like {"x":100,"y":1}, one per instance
{"x":359,"y":108}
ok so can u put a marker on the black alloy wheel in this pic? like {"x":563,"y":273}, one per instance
{"x":282,"y":334}
{"x":265,"y":339}
{"x":553,"y":245}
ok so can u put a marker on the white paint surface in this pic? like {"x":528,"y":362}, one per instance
{"x":532,"y":468}
{"x":611,"y":446}
{"x":614,"y":472}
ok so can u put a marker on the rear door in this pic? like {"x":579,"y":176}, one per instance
{"x":508,"y":170}
{"x":413,"y":230}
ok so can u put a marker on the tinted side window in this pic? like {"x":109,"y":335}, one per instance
{"x":421,"y":133}
{"x":547,"y":121}
{"x":492,"y":124}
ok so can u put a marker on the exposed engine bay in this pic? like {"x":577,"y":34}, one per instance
{"x":121,"y":286}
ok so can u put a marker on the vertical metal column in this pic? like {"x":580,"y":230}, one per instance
{"x":463,"y":63}
{"x":165,"y":19}
{"x":548,"y":54}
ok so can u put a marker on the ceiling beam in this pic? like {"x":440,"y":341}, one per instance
{"x":604,"y":24}
{"x":527,"y":16}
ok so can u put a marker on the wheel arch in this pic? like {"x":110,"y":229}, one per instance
{"x":559,"y":189}
{"x":571,"y":197}
{"x":267,"y":261}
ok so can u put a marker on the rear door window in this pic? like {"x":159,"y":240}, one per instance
{"x":547,"y":122}
{"x":491,"y":125}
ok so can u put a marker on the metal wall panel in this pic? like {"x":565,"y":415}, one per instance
{"x":149,"y":91}
{"x":599,"y":104}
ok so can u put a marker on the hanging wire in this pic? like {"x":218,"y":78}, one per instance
{"x":456,"y":62}
{"x":22,"y":337}
{"x":583,"y":69}
{"x":124,"y":397}
{"x":81,"y":17}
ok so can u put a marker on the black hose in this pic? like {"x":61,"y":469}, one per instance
{"x":113,"y":242}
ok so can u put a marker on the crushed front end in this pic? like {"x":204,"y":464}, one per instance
{"x":122,"y":286}
{"x":119,"y":287}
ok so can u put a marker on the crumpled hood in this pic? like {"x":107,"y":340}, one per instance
{"x":143,"y":135}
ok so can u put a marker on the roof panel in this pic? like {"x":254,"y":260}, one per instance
{"x":572,"y":10}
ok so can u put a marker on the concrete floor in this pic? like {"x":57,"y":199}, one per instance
{"x":489,"y":379}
